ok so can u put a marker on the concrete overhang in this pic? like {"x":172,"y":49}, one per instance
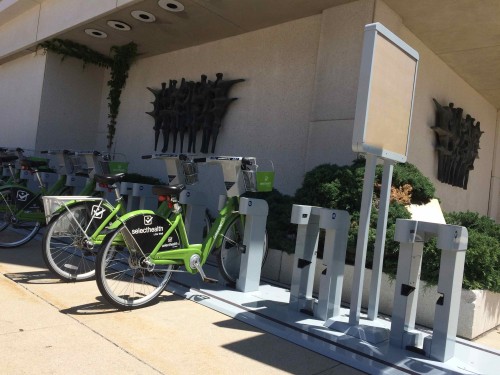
{"x":465,"y":34}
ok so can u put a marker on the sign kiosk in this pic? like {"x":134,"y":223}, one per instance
{"x":381,"y":130}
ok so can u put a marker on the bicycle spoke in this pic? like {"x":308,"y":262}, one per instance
{"x":123,"y":277}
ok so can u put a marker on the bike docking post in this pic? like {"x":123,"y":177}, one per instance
{"x":145,"y":197}
{"x":204,"y":183}
{"x":196,"y":206}
{"x":255,"y":211}
{"x":63,"y":167}
{"x":336,"y":224}
{"x":452,"y":241}
{"x":77,"y":175}
{"x":304,"y":260}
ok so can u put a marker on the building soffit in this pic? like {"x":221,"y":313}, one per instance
{"x":465,"y":34}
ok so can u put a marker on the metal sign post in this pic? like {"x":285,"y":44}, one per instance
{"x":381,"y":130}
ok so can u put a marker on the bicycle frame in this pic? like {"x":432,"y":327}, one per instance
{"x":181,"y":256}
{"x":23,"y":212}
{"x":117,"y":211}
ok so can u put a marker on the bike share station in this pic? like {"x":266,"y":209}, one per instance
{"x":209,"y":182}
{"x":357,"y":337}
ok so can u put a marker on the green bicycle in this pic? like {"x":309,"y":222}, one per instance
{"x":143,"y":249}
{"x":21,"y":209}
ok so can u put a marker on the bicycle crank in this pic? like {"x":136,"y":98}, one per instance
{"x":194,"y":262}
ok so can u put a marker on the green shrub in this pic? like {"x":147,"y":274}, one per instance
{"x":423,"y":189}
{"x":482,"y":259}
{"x":341,"y":187}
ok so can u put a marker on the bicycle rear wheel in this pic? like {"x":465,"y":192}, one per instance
{"x":19,"y":223}
{"x":229,"y":254}
{"x":123,"y":277}
{"x":66,"y":250}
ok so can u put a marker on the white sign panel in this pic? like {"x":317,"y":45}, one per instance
{"x":385,"y":95}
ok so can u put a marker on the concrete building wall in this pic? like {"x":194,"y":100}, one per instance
{"x":494,"y":209}
{"x":295,"y":107}
{"x":269,"y":120}
{"x":20,"y":96}
{"x":20,"y":32}
{"x":336,"y":84}
{"x":70,"y":105}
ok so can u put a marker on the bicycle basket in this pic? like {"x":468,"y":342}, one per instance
{"x":78,"y":165}
{"x":190,"y":170}
{"x":259,"y":178}
{"x":113,"y":166}
{"x":53,"y":203}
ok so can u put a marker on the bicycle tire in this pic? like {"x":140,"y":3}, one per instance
{"x":65,"y":249}
{"x":229,"y":253}
{"x":121,"y":279}
{"x":14,"y":231}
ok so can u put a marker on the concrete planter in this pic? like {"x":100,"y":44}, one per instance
{"x":479,"y":309}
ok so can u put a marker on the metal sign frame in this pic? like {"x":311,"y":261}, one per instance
{"x":386,"y":90}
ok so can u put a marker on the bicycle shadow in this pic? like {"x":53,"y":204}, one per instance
{"x":102,"y":307}
{"x":34,"y":277}
{"x":28,"y":255}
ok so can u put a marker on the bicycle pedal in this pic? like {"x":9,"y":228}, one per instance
{"x":209,"y":280}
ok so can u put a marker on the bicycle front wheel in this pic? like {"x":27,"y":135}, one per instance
{"x":66,"y":249}
{"x":229,"y":254}
{"x":123,"y":277}
{"x":19,"y":222}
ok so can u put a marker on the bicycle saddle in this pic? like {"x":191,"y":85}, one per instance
{"x":29,"y":164}
{"x":109,"y":179}
{"x":8,"y":158}
{"x":168,"y":189}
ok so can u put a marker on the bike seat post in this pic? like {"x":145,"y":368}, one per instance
{"x":176,"y":207}
{"x":41,"y":184}
{"x":118,"y":195}
{"x":12,"y":171}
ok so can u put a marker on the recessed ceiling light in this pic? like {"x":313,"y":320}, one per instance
{"x":171,"y":5}
{"x":118,"y":25}
{"x":143,"y":16}
{"x":96,"y":33}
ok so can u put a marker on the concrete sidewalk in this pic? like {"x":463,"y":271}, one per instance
{"x":51,"y":327}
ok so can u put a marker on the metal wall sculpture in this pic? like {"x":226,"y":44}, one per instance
{"x":457,"y":144}
{"x":189,"y":108}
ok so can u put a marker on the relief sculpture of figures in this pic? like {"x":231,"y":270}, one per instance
{"x":457,"y":144}
{"x":191,"y":107}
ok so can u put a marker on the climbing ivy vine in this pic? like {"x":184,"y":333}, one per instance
{"x":119,"y":62}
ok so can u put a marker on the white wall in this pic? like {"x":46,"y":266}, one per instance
{"x":336,"y":84}
{"x":70,"y":105}
{"x":297,"y":104}
{"x":271,"y":117}
{"x":20,"y":93}
{"x":19,"y":32}
{"x":494,"y":209}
